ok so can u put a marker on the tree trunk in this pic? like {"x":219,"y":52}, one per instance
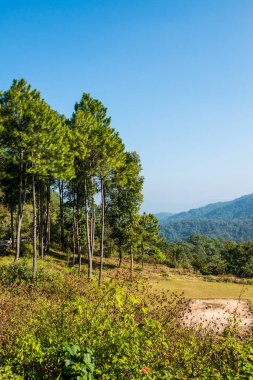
{"x":87,"y":229}
{"x":74,"y":236}
{"x":41,"y":222}
{"x":78,"y":242}
{"x":92,"y":230}
{"x":61,"y":191}
{"x":47,"y":222}
{"x":49,"y":218}
{"x":34,"y":228}
{"x":12,"y":224}
{"x":142,"y":256}
{"x":20,"y":205}
{"x":102,"y":231}
{"x":131,"y":263}
{"x":93,"y":221}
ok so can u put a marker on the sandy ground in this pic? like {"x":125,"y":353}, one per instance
{"x":218,"y":314}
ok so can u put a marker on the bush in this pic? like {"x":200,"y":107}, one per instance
{"x":7,"y":374}
{"x":131,"y":333}
{"x":18,"y":273}
{"x":26,"y":249}
{"x":157,"y":254}
{"x":21,"y":272}
{"x":77,"y":363}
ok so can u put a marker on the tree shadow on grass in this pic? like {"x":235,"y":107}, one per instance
{"x":58,"y":256}
{"x":106,"y":265}
{"x":67,"y":258}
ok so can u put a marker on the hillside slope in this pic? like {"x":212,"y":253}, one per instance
{"x":228,"y":220}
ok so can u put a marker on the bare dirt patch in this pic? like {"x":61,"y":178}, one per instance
{"x":217,"y":314}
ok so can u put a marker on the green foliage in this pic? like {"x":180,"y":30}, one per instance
{"x":11,"y":273}
{"x":7,"y":374}
{"x":236,"y":229}
{"x":77,"y":363}
{"x":124,"y":201}
{"x":26,"y":249}
{"x":212,"y":256}
{"x":40,"y":149}
{"x":131,"y":332}
{"x":21,"y":273}
{"x":157,"y":254}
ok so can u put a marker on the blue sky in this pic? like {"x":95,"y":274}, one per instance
{"x":176,"y":76}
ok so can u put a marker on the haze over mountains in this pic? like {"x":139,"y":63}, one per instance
{"x":228,"y":220}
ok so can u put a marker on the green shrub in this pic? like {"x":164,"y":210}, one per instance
{"x":131,"y":332}
{"x":19,"y":272}
{"x":7,"y":374}
{"x":26,"y":249}
{"x":157,"y":254}
{"x":77,"y":363}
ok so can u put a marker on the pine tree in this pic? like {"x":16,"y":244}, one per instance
{"x":124,"y":201}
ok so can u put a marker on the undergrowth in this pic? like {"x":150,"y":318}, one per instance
{"x":63,"y":327}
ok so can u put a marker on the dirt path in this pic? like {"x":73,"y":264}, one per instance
{"x":218,"y":314}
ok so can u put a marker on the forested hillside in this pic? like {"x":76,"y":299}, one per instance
{"x":228,"y":220}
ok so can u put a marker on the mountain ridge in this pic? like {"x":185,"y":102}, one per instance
{"x":229,"y":220}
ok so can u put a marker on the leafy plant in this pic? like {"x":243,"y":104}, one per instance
{"x":78,"y":364}
{"x":7,"y":374}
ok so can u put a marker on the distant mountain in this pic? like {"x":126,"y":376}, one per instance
{"x":161,"y":216}
{"x":228,"y":220}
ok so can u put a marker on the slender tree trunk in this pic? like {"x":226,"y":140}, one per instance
{"x":74,"y":236}
{"x":49,"y":218}
{"x":12,"y":224}
{"x":142,"y":256}
{"x":18,"y":238}
{"x":79,"y":260}
{"x":47,"y":222}
{"x":131,"y":263}
{"x":92,"y":233}
{"x":102,"y":231}
{"x":87,"y":229}
{"x":93,"y":220}
{"x":93,"y":229}
{"x":41,"y":222}
{"x":20,"y":205}
{"x":78,"y":242}
{"x":61,"y":191}
{"x":34,"y":228}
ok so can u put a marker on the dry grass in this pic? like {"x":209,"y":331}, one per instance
{"x":162,"y":278}
{"x":191,"y":285}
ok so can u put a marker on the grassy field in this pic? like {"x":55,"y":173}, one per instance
{"x":193,"y":286}
{"x":163,"y":278}
{"x":200,"y":288}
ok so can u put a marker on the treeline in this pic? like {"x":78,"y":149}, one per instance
{"x":240,"y":229}
{"x":212,"y":256}
{"x":55,"y":169}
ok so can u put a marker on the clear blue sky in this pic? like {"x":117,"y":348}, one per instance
{"x":176,"y":76}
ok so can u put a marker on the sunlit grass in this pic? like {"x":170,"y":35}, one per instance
{"x":159,"y":276}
